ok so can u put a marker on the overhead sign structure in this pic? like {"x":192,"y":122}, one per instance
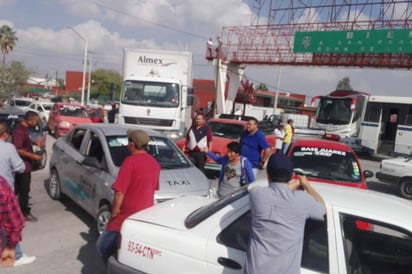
{"x":354,"y":41}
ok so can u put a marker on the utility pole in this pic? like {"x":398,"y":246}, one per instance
{"x":84,"y":63}
{"x":89,"y":80}
{"x":275,"y":104}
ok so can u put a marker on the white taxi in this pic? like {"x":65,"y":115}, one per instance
{"x":363,"y":232}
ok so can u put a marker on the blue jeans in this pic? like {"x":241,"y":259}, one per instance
{"x":285,"y":147}
{"x":107,"y":244}
{"x":19,"y":252}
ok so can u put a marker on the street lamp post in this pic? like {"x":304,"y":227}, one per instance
{"x":84,"y":63}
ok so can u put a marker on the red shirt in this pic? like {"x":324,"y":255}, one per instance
{"x":11,"y":218}
{"x":21,"y":140}
{"x":138,"y":179}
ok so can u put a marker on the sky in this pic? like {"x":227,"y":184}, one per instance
{"x":52,"y":33}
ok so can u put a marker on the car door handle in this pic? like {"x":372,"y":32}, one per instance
{"x":229,"y":263}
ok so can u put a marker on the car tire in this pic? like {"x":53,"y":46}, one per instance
{"x":406,"y":188}
{"x":103,"y":217}
{"x":54,"y":187}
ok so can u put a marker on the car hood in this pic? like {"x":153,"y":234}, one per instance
{"x":172,"y":213}
{"x":399,"y":160}
{"x":183,"y":181}
{"x":179,"y":182}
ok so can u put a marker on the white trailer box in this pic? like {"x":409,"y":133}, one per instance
{"x":156,"y":90}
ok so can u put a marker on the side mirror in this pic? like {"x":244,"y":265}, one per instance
{"x":190,"y":100}
{"x":92,"y":162}
{"x":368,"y":173}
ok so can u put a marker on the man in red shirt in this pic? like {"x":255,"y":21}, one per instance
{"x":12,"y":221}
{"x":134,"y":189}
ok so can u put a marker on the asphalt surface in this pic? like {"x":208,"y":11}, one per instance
{"x":63,"y":240}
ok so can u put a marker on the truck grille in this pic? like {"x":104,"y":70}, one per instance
{"x":148,"y":121}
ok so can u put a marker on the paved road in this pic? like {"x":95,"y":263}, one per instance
{"x":64,"y":238}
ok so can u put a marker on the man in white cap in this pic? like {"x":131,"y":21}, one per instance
{"x":134,"y":189}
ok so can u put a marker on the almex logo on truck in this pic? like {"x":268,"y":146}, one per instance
{"x":144,"y":60}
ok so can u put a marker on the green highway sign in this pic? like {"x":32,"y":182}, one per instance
{"x":354,"y":41}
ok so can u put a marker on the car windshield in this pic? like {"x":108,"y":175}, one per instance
{"x":47,"y":106}
{"x":73,"y":111}
{"x":167,"y":154}
{"x":328,"y":164}
{"x":208,"y":210}
{"x":226,"y":130}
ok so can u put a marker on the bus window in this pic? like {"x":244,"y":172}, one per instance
{"x":373,"y":112}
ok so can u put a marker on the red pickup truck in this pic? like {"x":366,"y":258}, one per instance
{"x":224,"y":131}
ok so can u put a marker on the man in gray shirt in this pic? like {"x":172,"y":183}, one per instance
{"x":279,"y":212}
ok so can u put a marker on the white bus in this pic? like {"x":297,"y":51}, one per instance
{"x":339,"y":113}
{"x":375,"y":124}
{"x":387,"y":125}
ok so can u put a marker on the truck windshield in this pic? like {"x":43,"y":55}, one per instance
{"x":157,"y":94}
{"x":334,"y":111}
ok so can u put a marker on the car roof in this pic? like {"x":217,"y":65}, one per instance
{"x":116,"y":129}
{"x":321,"y":143}
{"x":174,"y":213}
{"x":228,"y":121}
{"x":69,"y":104}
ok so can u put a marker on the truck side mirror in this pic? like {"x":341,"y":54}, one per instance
{"x":190,"y":99}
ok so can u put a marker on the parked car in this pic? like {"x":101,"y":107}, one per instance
{"x":397,"y":171}
{"x":64,"y":116}
{"x":13,"y":116}
{"x":196,"y":235}
{"x":84,"y":165}
{"x":43,"y":108}
{"x":19,"y":102}
{"x":328,"y":162}
{"x":226,"y":130}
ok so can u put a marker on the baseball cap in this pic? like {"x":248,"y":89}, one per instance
{"x":138,"y":136}
{"x":279,"y":168}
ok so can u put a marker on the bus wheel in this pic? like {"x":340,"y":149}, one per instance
{"x":406,"y":188}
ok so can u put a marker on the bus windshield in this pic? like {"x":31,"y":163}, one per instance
{"x":156,"y":94}
{"x":334,"y":111}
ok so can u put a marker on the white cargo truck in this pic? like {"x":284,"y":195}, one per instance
{"x":156,"y":91}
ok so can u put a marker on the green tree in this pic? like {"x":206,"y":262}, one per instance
{"x":8,"y":41}
{"x":12,"y":78}
{"x":344,"y":84}
{"x":102,"y":80}
{"x":262,"y":87}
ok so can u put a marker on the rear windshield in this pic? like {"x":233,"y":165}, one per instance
{"x":328,"y":164}
{"x":167,"y":154}
{"x":72,"y":111}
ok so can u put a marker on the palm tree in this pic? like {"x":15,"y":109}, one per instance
{"x":7,"y":40}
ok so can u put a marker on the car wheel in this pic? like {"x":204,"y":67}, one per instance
{"x":406,"y":188}
{"x":54,"y":188}
{"x":103,"y":217}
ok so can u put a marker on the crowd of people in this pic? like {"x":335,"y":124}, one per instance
{"x":279,"y":210}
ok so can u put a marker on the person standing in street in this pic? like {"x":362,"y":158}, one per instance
{"x":11,"y":163}
{"x":236,"y":170}
{"x":287,"y":140}
{"x":280,"y":135}
{"x":279,"y":212}
{"x":198,"y":138}
{"x":134,"y":189}
{"x":11,"y":222}
{"x":23,"y":143}
{"x":254,"y":145}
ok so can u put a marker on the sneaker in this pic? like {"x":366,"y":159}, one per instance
{"x":25,"y":260}
{"x":30,"y":218}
